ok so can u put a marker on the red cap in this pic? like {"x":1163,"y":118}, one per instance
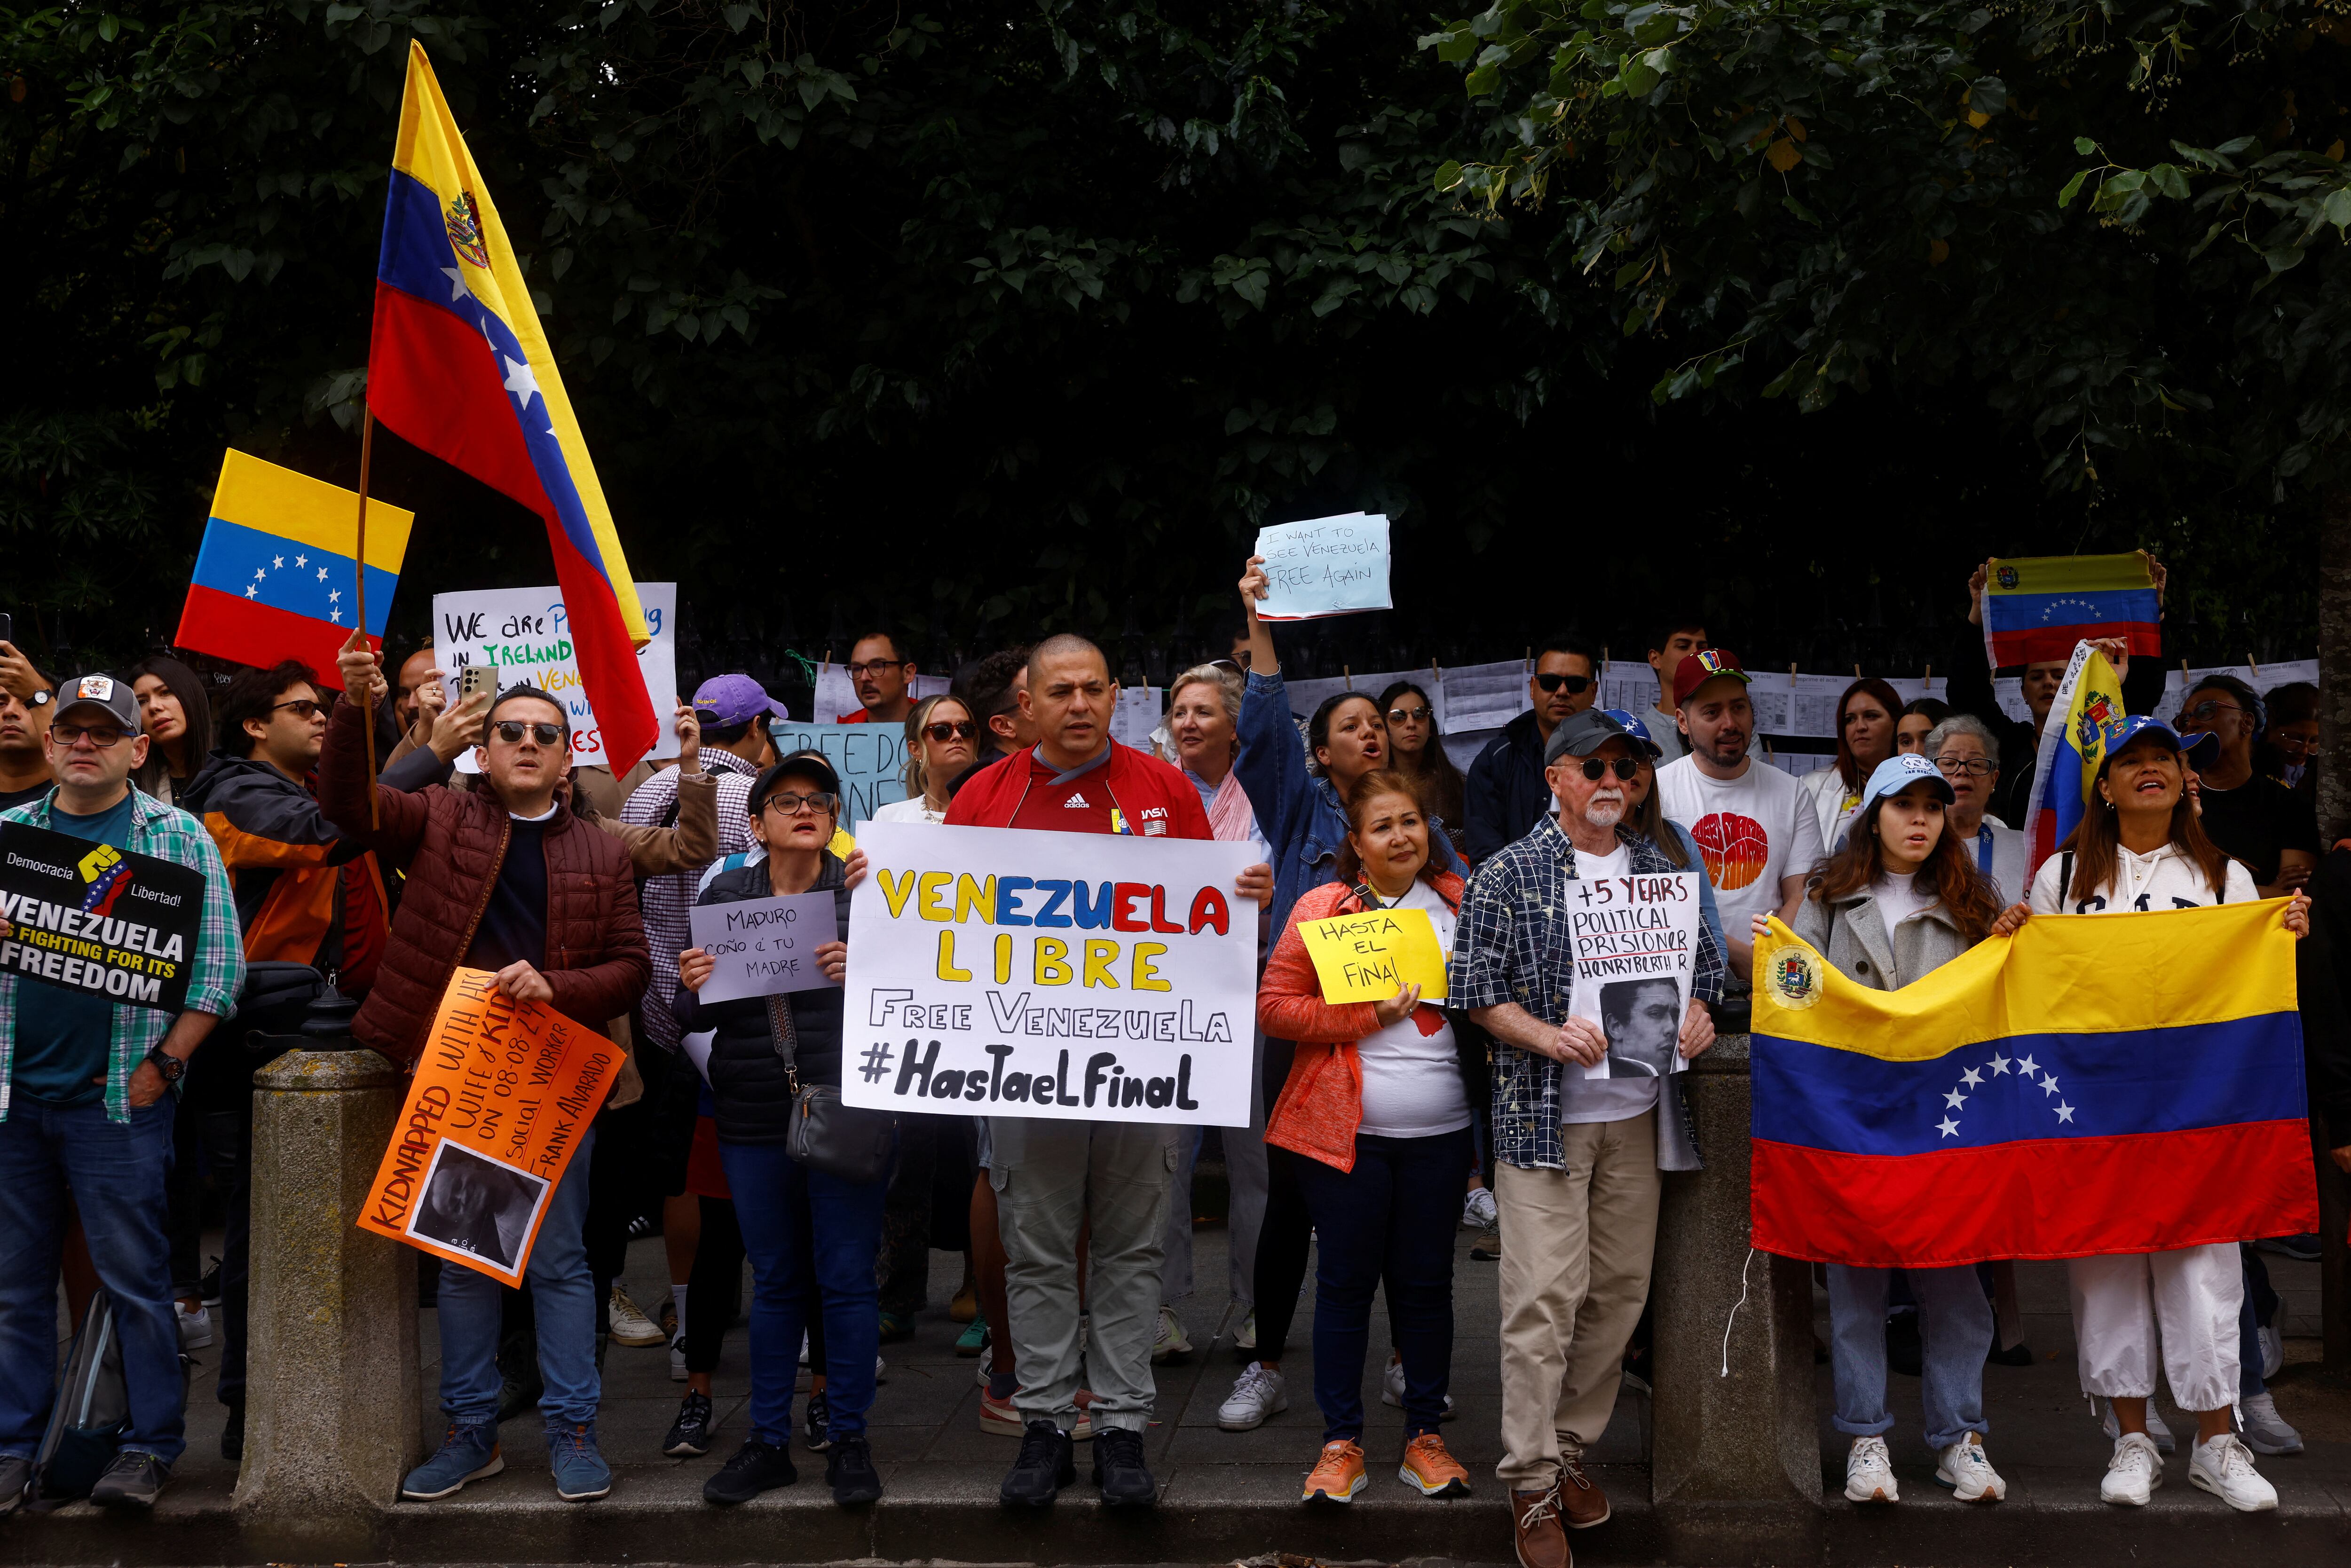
{"x":1696,"y":669}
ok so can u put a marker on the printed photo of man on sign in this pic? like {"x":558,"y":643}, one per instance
{"x":1006,"y":972}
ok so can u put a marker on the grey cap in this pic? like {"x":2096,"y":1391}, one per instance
{"x":103,"y":691}
{"x":1582,"y":734}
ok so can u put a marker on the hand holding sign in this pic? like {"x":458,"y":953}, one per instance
{"x":1369,"y":958}
{"x":765,"y":947}
{"x":1328,"y":566}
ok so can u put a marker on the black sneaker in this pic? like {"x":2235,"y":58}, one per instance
{"x":756,"y":1467}
{"x":848,"y":1470}
{"x":208,"y":1289}
{"x":1119,"y":1470}
{"x":16,"y":1475}
{"x":1042,"y":1469}
{"x":816,"y":1424}
{"x":233,"y":1433}
{"x":689,"y":1435}
{"x":132,"y":1480}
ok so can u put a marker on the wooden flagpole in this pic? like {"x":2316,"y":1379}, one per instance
{"x":366,"y":693}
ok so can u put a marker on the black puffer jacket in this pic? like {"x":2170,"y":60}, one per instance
{"x":746,"y":1064}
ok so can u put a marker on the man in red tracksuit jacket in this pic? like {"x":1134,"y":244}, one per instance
{"x":1051,"y":1176}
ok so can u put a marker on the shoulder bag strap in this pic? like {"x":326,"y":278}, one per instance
{"x":787,"y":1039}
{"x":2065,"y":879}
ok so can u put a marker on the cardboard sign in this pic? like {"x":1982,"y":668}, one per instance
{"x":526,"y":634}
{"x":502,"y":1096}
{"x":1371,"y":957}
{"x":90,"y":918}
{"x":1328,"y":566}
{"x":870,"y":757}
{"x":1635,"y":953}
{"x":764,"y":946}
{"x":1001,"y":972}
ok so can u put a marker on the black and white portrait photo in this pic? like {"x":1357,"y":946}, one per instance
{"x":1643,"y":1021}
{"x":477,"y":1206}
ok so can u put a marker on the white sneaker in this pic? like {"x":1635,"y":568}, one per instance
{"x":2134,"y":1473}
{"x":2266,"y":1431}
{"x":1869,"y":1472}
{"x":677,"y":1357}
{"x":1391,"y":1388}
{"x":630,"y":1324}
{"x":881,"y":1370}
{"x":195,"y":1328}
{"x":2222,"y":1466}
{"x":1258,"y":1393}
{"x":1964,"y":1468}
{"x":1167,"y":1341}
{"x":2164,"y":1441}
{"x":804,"y":1350}
{"x":2273,"y":1350}
{"x":1245,"y":1337}
{"x":1477,"y":1210}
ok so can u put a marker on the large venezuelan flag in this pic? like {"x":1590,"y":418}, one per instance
{"x":2089,"y":701}
{"x":2095,"y":1083}
{"x":460,"y":367}
{"x":2035,"y":608}
{"x":275,"y":578}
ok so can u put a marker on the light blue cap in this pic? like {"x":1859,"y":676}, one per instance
{"x":1900,"y":771}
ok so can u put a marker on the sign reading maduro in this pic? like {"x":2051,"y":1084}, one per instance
{"x":91,"y":918}
{"x":502,"y":1096}
{"x":999,"y":972}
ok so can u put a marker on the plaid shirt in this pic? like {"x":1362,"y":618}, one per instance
{"x":1512,"y":945}
{"x":216,"y":972}
{"x":666,"y":899}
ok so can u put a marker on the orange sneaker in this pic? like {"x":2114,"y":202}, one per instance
{"x":1427,"y":1465}
{"x":1338,"y":1475}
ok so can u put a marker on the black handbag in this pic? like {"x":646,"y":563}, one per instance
{"x":845,"y":1141}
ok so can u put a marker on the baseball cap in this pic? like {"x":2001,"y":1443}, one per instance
{"x":2122,"y":731}
{"x":1901,"y":770}
{"x":1696,"y":669}
{"x":807,"y":764}
{"x":1582,"y":734}
{"x":104,"y":692}
{"x":723,"y":701}
{"x":1638,"y":730}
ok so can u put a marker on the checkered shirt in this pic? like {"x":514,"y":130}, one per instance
{"x":666,"y":898}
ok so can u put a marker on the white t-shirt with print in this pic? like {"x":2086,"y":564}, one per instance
{"x":1751,"y":831}
{"x":1412,"y":1080}
{"x":2164,"y":879}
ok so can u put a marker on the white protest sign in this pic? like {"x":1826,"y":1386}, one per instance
{"x":1002,"y":972}
{"x":525,"y":634}
{"x":870,"y":757}
{"x":764,"y":946}
{"x":1326,"y":566}
{"x":1635,"y":952}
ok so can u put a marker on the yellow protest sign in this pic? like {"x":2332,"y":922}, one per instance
{"x":1371,"y":957}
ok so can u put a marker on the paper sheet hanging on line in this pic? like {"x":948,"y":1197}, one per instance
{"x":765,"y":947}
{"x":1635,"y":944}
{"x":526,"y":633}
{"x":1369,"y":956}
{"x":1485,"y":696}
{"x":1326,"y":566}
{"x":1136,"y":716}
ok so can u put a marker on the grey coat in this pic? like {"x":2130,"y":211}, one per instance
{"x":1850,"y":934}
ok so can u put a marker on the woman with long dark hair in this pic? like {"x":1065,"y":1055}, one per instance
{"x":1416,"y":743}
{"x":178,"y":718}
{"x":1866,"y":715}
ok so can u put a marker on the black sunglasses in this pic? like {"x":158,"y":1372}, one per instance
{"x":511,"y":731}
{"x":1576,"y":686}
{"x":949,"y":729}
{"x":1626,"y":767}
{"x":301,"y":707}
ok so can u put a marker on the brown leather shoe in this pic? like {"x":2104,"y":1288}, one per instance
{"x":1581,"y":1503}
{"x":1534,"y":1520}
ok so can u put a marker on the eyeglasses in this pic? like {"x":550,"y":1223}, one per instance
{"x":1973,"y":767}
{"x":103,"y":737}
{"x":511,"y":731}
{"x":301,"y":708}
{"x":1575,"y":684}
{"x":875,"y":667}
{"x":2294,"y":745}
{"x":950,"y":730}
{"x":1597,"y":767}
{"x":1409,"y":714}
{"x":2209,"y":710}
{"x":792,"y":803}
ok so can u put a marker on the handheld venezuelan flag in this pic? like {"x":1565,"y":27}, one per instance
{"x":276,"y":578}
{"x":2035,"y":608}
{"x":2089,"y":701}
{"x":460,"y":367}
{"x":2095,"y":1083}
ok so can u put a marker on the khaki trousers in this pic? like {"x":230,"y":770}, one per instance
{"x":1576,"y":1249}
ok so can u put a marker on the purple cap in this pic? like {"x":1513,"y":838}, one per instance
{"x":723,"y":701}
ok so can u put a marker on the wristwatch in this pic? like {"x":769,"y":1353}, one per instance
{"x":41,"y":698}
{"x":169,"y":1066}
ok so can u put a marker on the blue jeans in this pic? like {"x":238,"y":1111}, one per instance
{"x":1388,"y":1221}
{"x":799,"y":1223}
{"x":1954,"y":1322}
{"x":117,"y":1172}
{"x":563,"y":1302}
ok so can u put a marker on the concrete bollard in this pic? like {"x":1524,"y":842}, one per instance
{"x":1728,"y":1452}
{"x":331,"y":1412}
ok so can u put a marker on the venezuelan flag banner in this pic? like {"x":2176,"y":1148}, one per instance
{"x":2094,"y":1083}
{"x":276,"y":578}
{"x":460,"y":367}
{"x":2035,"y":608}
{"x":2073,"y":748}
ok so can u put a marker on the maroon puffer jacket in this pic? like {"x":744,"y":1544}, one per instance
{"x":452,"y":841}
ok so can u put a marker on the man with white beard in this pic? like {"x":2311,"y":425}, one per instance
{"x":1577,"y":1159}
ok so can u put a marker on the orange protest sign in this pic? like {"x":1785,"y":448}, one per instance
{"x":502,"y":1096}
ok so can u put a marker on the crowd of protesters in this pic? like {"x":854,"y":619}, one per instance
{"x":1378,"y":1128}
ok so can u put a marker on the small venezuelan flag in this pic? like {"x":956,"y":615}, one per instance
{"x":2088,"y":704}
{"x":460,"y":367}
{"x":2035,"y":608}
{"x":2097,"y":1084}
{"x":275,"y":578}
